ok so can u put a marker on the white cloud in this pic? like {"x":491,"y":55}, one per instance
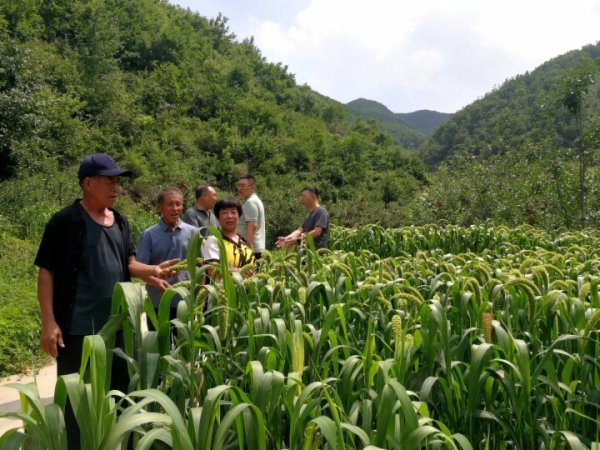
{"x":408,"y":55}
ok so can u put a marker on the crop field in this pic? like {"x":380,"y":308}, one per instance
{"x":436,"y":337}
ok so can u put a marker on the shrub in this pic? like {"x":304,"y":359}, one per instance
{"x":20,"y":319}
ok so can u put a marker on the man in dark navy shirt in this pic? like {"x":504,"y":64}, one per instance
{"x":86,"y":248}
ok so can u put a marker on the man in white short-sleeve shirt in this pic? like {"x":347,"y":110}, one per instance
{"x":251,"y":225}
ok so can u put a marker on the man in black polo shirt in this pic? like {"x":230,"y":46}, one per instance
{"x":86,"y":248}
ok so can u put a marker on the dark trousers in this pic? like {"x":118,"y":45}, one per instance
{"x":69,"y":361}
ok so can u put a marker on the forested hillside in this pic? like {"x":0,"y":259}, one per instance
{"x":177,"y":98}
{"x":525,"y":110}
{"x":174,"y":96}
{"x":526,"y":152}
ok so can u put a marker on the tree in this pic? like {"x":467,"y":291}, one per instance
{"x":391,"y":192}
{"x":573,"y":90}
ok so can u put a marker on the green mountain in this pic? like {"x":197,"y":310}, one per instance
{"x":178,"y":99}
{"x":424,"y":120}
{"x":408,"y":129}
{"x":527,"y":152}
{"x":524,"y":110}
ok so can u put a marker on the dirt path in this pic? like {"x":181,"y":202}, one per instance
{"x":9,"y":398}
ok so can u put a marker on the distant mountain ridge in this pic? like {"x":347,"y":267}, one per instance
{"x":424,"y":120}
{"x":408,"y":129}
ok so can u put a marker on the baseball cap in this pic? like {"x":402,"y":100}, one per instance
{"x":100,"y":164}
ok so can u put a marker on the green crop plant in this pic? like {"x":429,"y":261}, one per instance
{"x":435,"y":336}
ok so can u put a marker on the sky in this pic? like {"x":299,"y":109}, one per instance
{"x":408,"y":55}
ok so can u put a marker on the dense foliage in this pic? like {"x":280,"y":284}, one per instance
{"x":459,"y":338}
{"x":20,"y":318}
{"x":520,"y":186}
{"x":175,"y":97}
{"x":527,"y":110}
{"x":525,"y":153}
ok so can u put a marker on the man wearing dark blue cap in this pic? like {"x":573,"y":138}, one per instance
{"x":87,"y":248}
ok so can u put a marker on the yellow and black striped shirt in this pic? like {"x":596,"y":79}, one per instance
{"x":237,"y":254}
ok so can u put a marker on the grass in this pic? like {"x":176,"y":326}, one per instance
{"x":20,"y":319}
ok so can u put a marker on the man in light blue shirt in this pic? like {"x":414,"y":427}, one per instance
{"x":166,"y":240}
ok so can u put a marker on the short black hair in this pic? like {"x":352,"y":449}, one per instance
{"x":201,"y":190}
{"x":227,"y":203}
{"x":312,"y":189}
{"x":164,"y":191}
{"x":248,"y":177}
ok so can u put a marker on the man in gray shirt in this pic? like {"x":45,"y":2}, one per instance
{"x":251,"y":225}
{"x":316,"y":223}
{"x":201,"y":214}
